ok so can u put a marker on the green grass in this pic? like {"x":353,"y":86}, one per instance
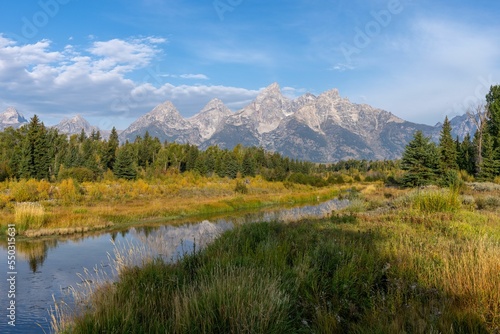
{"x":432,"y":200}
{"x":347,"y":274}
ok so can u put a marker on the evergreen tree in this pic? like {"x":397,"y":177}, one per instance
{"x":493,"y":109}
{"x":489,"y":165}
{"x":447,"y":149}
{"x":248,"y":167}
{"x":229,"y":165}
{"x":420,"y":161}
{"x":109,"y":153}
{"x":191,"y":157}
{"x":466,"y":158}
{"x":35,"y":161}
{"x":124,"y":166}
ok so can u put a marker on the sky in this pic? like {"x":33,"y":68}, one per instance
{"x":112,"y":61}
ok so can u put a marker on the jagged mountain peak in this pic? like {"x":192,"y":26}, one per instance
{"x":217,"y":105}
{"x":12,"y":114}
{"x":321,"y":128}
{"x":75,"y":125}
{"x":11,"y":118}
{"x":271,"y":90}
{"x":164,"y":108}
{"x":210,"y":118}
{"x":332,"y":94}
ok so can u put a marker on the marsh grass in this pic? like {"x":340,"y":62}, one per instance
{"x":29,"y":215}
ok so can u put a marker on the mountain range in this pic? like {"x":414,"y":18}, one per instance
{"x":323,"y":128}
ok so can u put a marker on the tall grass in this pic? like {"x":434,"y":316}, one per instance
{"x":431,"y":200}
{"x":29,"y":215}
{"x":345,"y":274}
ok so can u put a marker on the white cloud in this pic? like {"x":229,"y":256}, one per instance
{"x":194,"y":76}
{"x":135,"y":53}
{"x":341,"y":67}
{"x":92,"y":82}
{"x":186,"y":76}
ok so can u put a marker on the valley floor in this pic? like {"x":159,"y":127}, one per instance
{"x":418,"y":261}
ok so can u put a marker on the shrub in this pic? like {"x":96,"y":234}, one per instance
{"x":69,"y":191}
{"x":487,"y":202}
{"x":81,"y":174}
{"x":29,"y":215}
{"x":452,"y":179}
{"x":30,"y":190}
{"x":241,"y":187}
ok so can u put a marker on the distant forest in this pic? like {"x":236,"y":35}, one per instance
{"x":35,"y":151}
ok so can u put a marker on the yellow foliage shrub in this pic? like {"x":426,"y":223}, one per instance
{"x":68,"y":191}
{"x":30,"y":190}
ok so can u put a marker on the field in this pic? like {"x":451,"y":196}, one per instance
{"x":395,"y":261}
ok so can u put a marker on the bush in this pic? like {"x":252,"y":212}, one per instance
{"x":69,"y":191}
{"x":241,"y":187}
{"x":80,"y":174}
{"x":30,"y":190}
{"x":452,"y":179}
{"x":487,"y":203}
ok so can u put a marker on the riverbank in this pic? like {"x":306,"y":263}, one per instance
{"x":39,"y":208}
{"x":424,"y":261}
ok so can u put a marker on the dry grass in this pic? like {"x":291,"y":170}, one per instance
{"x":29,"y":215}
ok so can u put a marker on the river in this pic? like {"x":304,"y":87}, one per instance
{"x":48,"y":269}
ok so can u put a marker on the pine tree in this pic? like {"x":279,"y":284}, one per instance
{"x":109,"y":154}
{"x":229,"y":165}
{"x":35,"y":161}
{"x":493,"y":109}
{"x":447,"y":149}
{"x":191,"y":157}
{"x":420,"y":161}
{"x":124,"y":166}
{"x":248,"y":165}
{"x":489,"y":165}
{"x":466,"y":158}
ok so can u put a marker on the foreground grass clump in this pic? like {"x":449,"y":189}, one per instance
{"x":432,"y":200}
{"x":345,"y":274}
{"x":29,"y":215}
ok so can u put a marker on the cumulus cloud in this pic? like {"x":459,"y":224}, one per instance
{"x":96,"y":81}
{"x":187,"y":76}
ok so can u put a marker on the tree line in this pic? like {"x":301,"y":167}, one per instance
{"x":36,"y":151}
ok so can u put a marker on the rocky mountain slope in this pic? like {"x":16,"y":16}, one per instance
{"x":11,"y":118}
{"x":320,"y":128}
{"x":75,"y":125}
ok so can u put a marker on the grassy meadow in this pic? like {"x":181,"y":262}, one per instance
{"x":395,"y":261}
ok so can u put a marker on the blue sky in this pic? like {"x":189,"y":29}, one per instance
{"x":112,"y":61}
